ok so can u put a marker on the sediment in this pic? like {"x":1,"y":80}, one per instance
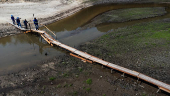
{"x":71,"y":73}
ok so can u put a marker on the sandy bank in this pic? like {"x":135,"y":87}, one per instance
{"x":46,"y":11}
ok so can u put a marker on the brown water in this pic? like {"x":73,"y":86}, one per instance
{"x":21,"y":51}
{"x":24,"y":50}
{"x":81,"y":18}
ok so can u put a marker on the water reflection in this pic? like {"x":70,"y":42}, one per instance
{"x":24,"y":50}
{"x":84,"y":16}
{"x":109,"y":26}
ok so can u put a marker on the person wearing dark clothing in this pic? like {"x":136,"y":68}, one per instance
{"x":13,"y":19}
{"x":18,"y":21}
{"x":25,"y":23}
{"x":36,"y":23}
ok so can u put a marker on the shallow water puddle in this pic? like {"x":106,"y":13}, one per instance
{"x":24,"y":50}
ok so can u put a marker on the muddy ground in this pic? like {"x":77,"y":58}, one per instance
{"x":139,"y":47}
{"x":143,"y":47}
{"x":69,"y":76}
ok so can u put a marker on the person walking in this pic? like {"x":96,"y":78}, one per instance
{"x":18,"y":22}
{"x":25,"y":23}
{"x":13,"y":19}
{"x":36,"y":23}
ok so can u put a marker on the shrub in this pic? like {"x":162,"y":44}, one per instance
{"x":52,"y":78}
{"x":89,"y":81}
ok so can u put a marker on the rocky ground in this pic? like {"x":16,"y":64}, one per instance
{"x":69,"y":76}
{"x":143,"y":47}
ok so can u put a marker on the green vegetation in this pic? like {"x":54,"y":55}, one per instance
{"x":147,"y":42}
{"x":52,"y":78}
{"x":65,"y":75}
{"x":70,"y":85}
{"x":144,"y":94}
{"x":88,"y":89}
{"x":89,"y":81}
{"x":122,"y":15}
{"x":80,"y":69}
{"x":134,"y":38}
{"x":75,"y":93}
{"x":42,"y":92}
{"x":43,"y":87}
{"x":65,"y":85}
{"x":59,"y":85}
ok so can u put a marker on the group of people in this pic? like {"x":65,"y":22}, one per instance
{"x":25,"y":22}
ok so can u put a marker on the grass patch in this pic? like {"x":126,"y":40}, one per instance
{"x":75,"y":93}
{"x":70,"y":85}
{"x":128,"y":14}
{"x":165,"y":34}
{"x":134,"y":38}
{"x":42,"y":92}
{"x":88,"y":89}
{"x":89,"y":81}
{"x":84,"y":87}
{"x":144,"y":94}
{"x":52,"y":78}
{"x":131,"y":43}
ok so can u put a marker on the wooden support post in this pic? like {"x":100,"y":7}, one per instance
{"x":111,"y":70}
{"x":102,"y":66}
{"x":41,"y":38}
{"x":140,"y":82}
{"x":158,"y":90}
{"x":123,"y":75}
{"x":45,"y":39}
{"x":137,"y":80}
{"x":30,"y":26}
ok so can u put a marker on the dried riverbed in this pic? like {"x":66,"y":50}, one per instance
{"x":139,"y":47}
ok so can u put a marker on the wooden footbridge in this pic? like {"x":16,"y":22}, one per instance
{"x":89,"y":58}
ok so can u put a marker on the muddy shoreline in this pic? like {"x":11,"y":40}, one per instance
{"x":66,"y":75}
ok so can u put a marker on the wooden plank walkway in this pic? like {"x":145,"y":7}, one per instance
{"x":87,"y":57}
